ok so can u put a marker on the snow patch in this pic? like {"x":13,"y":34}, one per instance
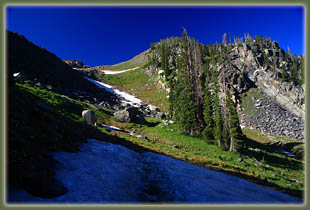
{"x":134,"y":101}
{"x":118,"y":72}
{"x":113,"y":128}
{"x":16,"y":74}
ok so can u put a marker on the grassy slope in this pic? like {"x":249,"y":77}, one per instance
{"x":139,"y":84}
{"x":247,"y":103}
{"x":261,"y":164}
{"x":138,"y":60}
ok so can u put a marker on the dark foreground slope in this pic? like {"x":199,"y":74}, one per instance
{"x":39,"y":67}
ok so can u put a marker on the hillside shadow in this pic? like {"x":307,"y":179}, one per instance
{"x":152,"y":124}
{"x":263,"y":153}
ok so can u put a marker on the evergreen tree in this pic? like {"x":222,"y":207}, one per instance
{"x":266,"y":60}
{"x":235,"y":131}
{"x":294,"y":73}
{"x":185,"y":108}
{"x":284,"y":74}
{"x":218,"y":129}
{"x":274,"y":64}
{"x":224,"y":39}
{"x":301,"y":67}
{"x":289,"y":53}
{"x":208,"y":113}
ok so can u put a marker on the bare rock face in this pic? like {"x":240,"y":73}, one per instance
{"x":89,"y":116}
{"x":250,"y":61}
{"x":288,"y":95}
{"x":282,"y":111}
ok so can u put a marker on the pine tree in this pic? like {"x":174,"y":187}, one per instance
{"x":208,"y":113}
{"x":224,"y":39}
{"x":274,"y":64}
{"x":218,"y":129}
{"x":284,"y":74}
{"x":185,"y":108}
{"x":301,"y":67}
{"x":235,"y":131}
{"x":294,"y":73}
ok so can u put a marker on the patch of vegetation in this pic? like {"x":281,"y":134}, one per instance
{"x":139,"y":60}
{"x":127,"y":80}
{"x":139,"y":84}
{"x":265,"y":138}
{"x":248,"y":101}
{"x":64,"y":105}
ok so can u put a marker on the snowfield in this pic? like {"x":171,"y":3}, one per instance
{"x":105,"y":173}
{"x":134,"y":101}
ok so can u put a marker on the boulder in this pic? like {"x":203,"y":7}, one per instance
{"x":89,"y":116}
{"x":160,"y":115}
{"x":131,"y":114}
{"x":122,"y":116}
{"x":153,"y":108}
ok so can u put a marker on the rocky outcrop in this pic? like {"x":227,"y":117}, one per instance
{"x":288,"y":95}
{"x":249,"y":59}
{"x":76,"y":64}
{"x":146,"y":110}
{"x":131,"y":114}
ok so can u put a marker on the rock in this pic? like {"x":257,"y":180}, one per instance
{"x":122,"y":116}
{"x":75,"y":64}
{"x":89,"y":116}
{"x":153,"y":108}
{"x":131,"y":114}
{"x":175,"y":146}
{"x":272,"y":118}
{"x":160,"y":115}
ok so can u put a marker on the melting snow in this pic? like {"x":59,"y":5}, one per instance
{"x":113,"y":128}
{"x":16,"y":74}
{"x":127,"y":97}
{"x":107,"y":173}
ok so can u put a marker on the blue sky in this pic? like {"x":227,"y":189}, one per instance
{"x":107,"y":35}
